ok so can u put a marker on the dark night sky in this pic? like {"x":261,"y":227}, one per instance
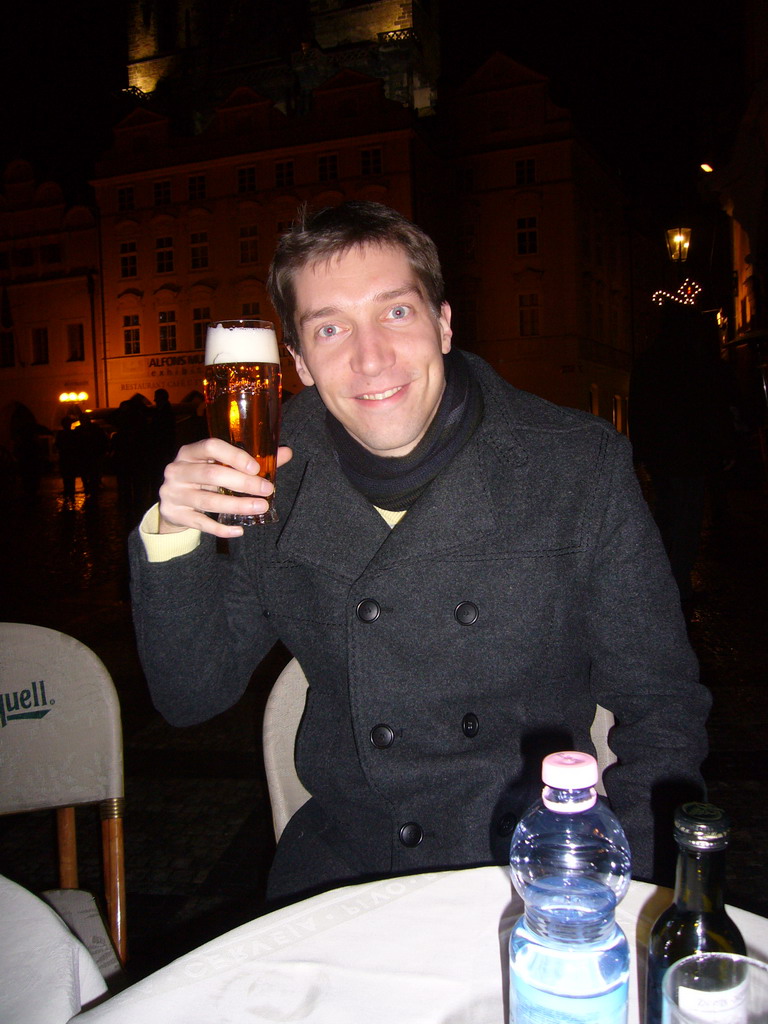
{"x":658,"y":86}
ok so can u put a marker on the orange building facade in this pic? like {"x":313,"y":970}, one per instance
{"x":51,"y":338}
{"x":188,"y":226}
{"x":546,"y":276}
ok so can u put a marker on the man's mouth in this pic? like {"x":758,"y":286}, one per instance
{"x":379,"y":396}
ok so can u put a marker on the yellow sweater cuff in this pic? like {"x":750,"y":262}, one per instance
{"x":161,"y":547}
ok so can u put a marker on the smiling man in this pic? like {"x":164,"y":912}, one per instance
{"x":463,"y":570}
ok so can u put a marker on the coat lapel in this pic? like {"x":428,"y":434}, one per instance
{"x":333,"y":528}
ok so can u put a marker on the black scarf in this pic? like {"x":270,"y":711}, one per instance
{"x":394,"y":483}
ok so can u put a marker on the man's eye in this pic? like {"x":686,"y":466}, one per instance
{"x":328,"y":331}
{"x":399,"y":312}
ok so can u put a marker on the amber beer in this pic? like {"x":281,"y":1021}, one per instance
{"x":242,"y":386}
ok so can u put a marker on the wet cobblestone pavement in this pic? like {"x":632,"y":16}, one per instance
{"x":198,"y":826}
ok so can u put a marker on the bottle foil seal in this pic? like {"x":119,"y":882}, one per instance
{"x":700,"y":826}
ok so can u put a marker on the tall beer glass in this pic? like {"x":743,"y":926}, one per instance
{"x":242,"y":387}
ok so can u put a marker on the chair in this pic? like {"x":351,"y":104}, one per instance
{"x":601,"y":726}
{"x":282,"y":715}
{"x":61,"y":746}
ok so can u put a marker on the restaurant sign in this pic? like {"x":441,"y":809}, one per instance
{"x":129,"y":374}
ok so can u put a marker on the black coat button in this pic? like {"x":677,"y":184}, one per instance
{"x":466,"y":613}
{"x":382,"y":736}
{"x":507,"y":823}
{"x":470,"y":725}
{"x":411,"y":834}
{"x":368,"y":610}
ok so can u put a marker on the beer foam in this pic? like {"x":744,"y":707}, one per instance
{"x":240,"y":345}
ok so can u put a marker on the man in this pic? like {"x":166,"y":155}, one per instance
{"x":463,"y":570}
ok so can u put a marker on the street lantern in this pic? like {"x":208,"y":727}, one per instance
{"x":678,"y":240}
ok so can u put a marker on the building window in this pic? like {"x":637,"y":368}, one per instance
{"x":525,"y":172}
{"x":528,"y":308}
{"x":167,"y":318}
{"x":164,"y":255}
{"x":7,"y":349}
{"x":50,"y":253}
{"x":283,"y":173}
{"x":370,"y":161}
{"x":328,"y":167}
{"x":128,"y":264}
{"x":527,"y":236}
{"x":23,"y":257}
{"x":39,"y":345}
{"x":131,"y":334}
{"x":250,"y":310}
{"x":125,"y":198}
{"x":161,"y":191}
{"x":465,"y":179}
{"x":198,"y":241}
{"x":246,"y":179}
{"x":618,"y":413}
{"x":201,"y":317}
{"x":75,"y":343}
{"x":196,"y":187}
{"x":249,"y":244}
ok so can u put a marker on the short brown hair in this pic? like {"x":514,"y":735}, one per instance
{"x":337,"y":229}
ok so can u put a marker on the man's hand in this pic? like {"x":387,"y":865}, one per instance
{"x":191,"y":485}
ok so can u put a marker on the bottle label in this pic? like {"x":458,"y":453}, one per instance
{"x":726,"y":1006}
{"x":531,"y":1005}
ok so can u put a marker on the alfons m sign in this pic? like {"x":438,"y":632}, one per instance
{"x":29,"y":703}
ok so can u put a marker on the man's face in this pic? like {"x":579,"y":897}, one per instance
{"x":372,"y":345}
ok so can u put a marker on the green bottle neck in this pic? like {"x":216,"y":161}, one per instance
{"x":700,"y":880}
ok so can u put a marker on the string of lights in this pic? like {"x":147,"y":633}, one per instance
{"x":685,"y":295}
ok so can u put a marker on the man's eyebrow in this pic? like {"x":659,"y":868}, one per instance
{"x":331,"y":311}
{"x":318,"y":314}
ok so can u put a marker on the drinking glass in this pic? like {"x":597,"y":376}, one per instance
{"x":715,"y":988}
{"x":242,"y":386}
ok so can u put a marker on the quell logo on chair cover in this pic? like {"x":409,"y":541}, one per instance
{"x":28,"y":703}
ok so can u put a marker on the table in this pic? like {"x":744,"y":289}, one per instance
{"x":421,"y":949}
{"x":46,"y":974}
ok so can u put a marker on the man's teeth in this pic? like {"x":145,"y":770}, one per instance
{"x":381,"y":395}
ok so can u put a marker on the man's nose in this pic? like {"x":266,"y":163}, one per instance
{"x":372,"y":352}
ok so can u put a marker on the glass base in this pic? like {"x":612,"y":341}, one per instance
{"x":228,"y":519}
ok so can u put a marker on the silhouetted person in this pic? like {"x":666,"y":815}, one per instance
{"x":91,"y":447}
{"x":26,"y":434}
{"x":162,"y":429}
{"x":681,"y":430}
{"x":66,"y":445}
{"x":132,"y":447}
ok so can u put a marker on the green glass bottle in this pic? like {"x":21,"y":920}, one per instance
{"x":697,"y":920}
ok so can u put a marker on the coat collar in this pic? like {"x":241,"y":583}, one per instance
{"x":335,"y":529}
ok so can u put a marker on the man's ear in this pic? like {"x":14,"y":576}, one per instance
{"x":446,"y":331}
{"x":305,"y":376}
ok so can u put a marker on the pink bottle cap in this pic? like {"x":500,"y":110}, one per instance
{"x":569,"y":769}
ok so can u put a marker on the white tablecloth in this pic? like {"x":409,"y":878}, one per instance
{"x":46,"y":974}
{"x":423,"y":949}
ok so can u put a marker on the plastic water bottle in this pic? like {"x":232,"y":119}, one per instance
{"x":569,"y":960}
{"x":570,"y":862}
{"x":569,"y":832}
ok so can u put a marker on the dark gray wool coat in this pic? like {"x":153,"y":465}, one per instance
{"x":526,"y":585}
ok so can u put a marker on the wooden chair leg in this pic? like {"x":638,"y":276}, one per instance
{"x":114,"y":873}
{"x":67,"y":837}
